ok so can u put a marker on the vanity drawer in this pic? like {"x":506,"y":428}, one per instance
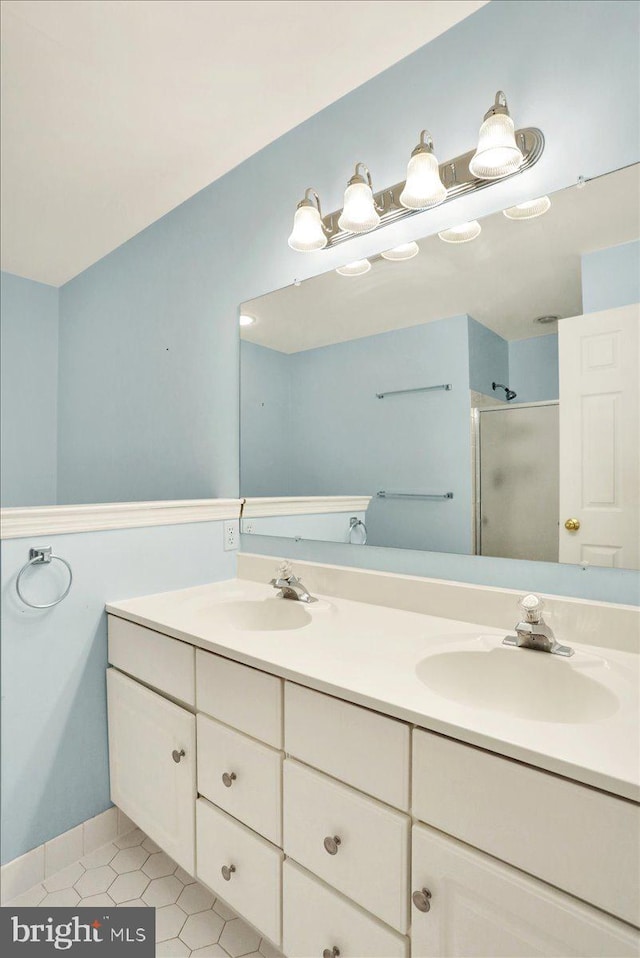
{"x":254,"y":889}
{"x":316,"y":919}
{"x":240,"y":696}
{"x":255,"y":794}
{"x":360,"y":747}
{"x":157,"y":660}
{"x":577,"y":838}
{"x":370,"y":864}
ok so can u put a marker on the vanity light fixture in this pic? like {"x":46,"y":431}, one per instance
{"x":463,"y":233}
{"x":404,"y":251}
{"x":246,"y":320}
{"x":423,"y":188}
{"x":358,"y":268}
{"x":502,"y":151}
{"x":497,"y":154}
{"x":308,"y":232}
{"x":359,"y":213}
{"x":528,"y":210}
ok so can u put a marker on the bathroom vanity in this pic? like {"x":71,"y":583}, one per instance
{"x":304,"y":763}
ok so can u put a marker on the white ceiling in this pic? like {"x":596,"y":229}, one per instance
{"x":512,"y":273}
{"x":116,"y":111}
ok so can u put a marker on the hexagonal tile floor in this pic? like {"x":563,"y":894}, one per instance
{"x":133,"y":871}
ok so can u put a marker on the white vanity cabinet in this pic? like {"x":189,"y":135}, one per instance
{"x":152,"y":762}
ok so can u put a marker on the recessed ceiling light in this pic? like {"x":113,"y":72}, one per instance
{"x":247,"y":320}
{"x":528,"y":210}
{"x":544,"y":320}
{"x":461,"y":234}
{"x":404,"y":251}
{"x":358,"y":268}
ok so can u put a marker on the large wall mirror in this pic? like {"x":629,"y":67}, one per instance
{"x":482,"y":396}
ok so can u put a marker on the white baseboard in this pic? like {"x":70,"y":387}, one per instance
{"x":35,"y":866}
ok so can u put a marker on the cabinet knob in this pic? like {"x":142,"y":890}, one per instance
{"x":422,"y":899}
{"x":177,"y":755}
{"x":572,"y":525}
{"x":331,"y":844}
{"x":229,"y":778}
{"x":227,"y":871}
{"x":333,"y":953}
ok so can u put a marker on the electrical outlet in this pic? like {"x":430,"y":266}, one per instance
{"x":231,"y":535}
{"x":248,"y":527}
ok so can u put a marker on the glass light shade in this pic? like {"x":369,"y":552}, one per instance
{"x":307,"y":233}
{"x":404,"y":251}
{"x":423,"y":188}
{"x":461,"y":234}
{"x":528,"y":210}
{"x":358,"y":213}
{"x":358,"y":268}
{"x":246,"y":320}
{"x":497,"y":154}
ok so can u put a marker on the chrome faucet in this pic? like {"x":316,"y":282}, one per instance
{"x":290,"y":587}
{"x":532,"y":632}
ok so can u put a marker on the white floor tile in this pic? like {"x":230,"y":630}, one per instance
{"x":95,"y":881}
{"x":63,"y":850}
{"x":30,"y":898}
{"x":22,"y":873}
{"x":151,"y":846}
{"x":184,"y":876}
{"x":239,"y":938}
{"x":97,"y":901}
{"x":65,"y":878}
{"x":135,"y":837}
{"x":223,"y":910}
{"x":211,"y":951}
{"x":125,"y":825}
{"x":202,"y":929}
{"x":169,"y":921}
{"x":268,"y":950}
{"x":163,"y":891}
{"x":159,"y":865}
{"x":174,"y":948}
{"x":64,"y":897}
{"x":100,"y":856}
{"x":129,"y":859}
{"x":196,"y":898}
{"x":100,"y":830}
{"x":128,"y":886}
{"x":134,"y":903}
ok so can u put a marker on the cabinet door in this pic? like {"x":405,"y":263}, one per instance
{"x":481,"y":907}
{"x":147,"y":783}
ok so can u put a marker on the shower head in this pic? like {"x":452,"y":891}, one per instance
{"x":510,"y":393}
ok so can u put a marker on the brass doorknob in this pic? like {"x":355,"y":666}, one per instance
{"x":572,"y":525}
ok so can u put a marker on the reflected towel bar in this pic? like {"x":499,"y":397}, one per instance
{"x":417,"y":389}
{"x":413,"y":495}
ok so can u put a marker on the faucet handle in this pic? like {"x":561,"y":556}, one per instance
{"x":532,"y":606}
{"x":285,"y":570}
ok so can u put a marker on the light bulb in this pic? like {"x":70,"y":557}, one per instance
{"x":423,"y":188}
{"x":358,"y":268}
{"x":246,"y":320}
{"x":528,"y":210}
{"x":497,"y":154}
{"x":461,"y":234}
{"x":404,"y":251}
{"x":359,"y":214}
{"x":308,"y":232}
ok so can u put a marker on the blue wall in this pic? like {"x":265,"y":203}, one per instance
{"x":29,"y":383}
{"x":611,"y":277}
{"x":265,"y":415}
{"x":533,"y":368}
{"x":149,"y":336}
{"x":488,"y":359}
{"x":54,"y":727}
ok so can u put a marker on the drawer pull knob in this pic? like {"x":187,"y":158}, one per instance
{"x":177,"y":755}
{"x":422,"y":899}
{"x":227,"y":871}
{"x":229,"y":778}
{"x":332,"y":844}
{"x":333,"y":953}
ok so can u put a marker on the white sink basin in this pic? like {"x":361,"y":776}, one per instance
{"x":521,"y":682}
{"x":263,"y":615}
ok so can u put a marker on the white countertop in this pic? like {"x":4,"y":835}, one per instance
{"x":375,"y":656}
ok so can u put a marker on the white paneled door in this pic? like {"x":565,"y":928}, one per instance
{"x":600,"y":438}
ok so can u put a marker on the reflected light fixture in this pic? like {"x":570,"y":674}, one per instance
{"x":359,"y":213}
{"x":463,"y":233}
{"x":528,"y":210}
{"x":498,"y":153}
{"x":246,"y":320}
{"x":308,"y":232}
{"x":358,"y":268}
{"x":404,"y":251}
{"x":423,"y":188}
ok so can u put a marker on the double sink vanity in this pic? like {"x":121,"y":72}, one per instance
{"x":376,"y":782}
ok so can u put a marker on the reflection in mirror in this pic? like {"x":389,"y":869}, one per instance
{"x":481,"y":396}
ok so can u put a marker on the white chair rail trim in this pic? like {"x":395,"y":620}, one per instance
{"x":19,"y":522}
{"x":303,"y":505}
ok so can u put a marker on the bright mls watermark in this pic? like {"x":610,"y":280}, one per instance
{"x":78,"y":931}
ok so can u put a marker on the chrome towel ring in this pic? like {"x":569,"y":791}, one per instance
{"x":42,"y":557}
{"x":355,"y":523}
